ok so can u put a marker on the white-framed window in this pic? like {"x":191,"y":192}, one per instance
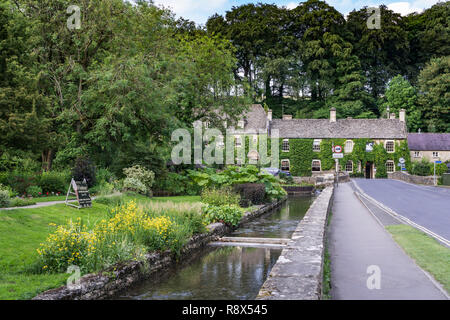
{"x":255,"y":138}
{"x":390,"y":146}
{"x":241,"y":124}
{"x":316,"y":145}
{"x":435,"y":154}
{"x":417,"y":154}
{"x":285,"y":165}
{"x":206,"y":124}
{"x":316,"y":166}
{"x":349,"y":166}
{"x":390,"y":166}
{"x":285,"y":146}
{"x":348,"y":146}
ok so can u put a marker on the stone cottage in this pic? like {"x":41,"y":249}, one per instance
{"x":430,"y":146}
{"x":369,"y":145}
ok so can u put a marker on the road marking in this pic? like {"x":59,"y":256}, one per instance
{"x":401,"y":218}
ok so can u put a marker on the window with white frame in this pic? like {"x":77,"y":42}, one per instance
{"x":316,"y":145}
{"x":285,"y":165}
{"x":349,"y":166}
{"x":316,"y":166}
{"x":390,"y":146}
{"x":241,"y":124}
{"x":417,"y":154}
{"x":255,"y":138}
{"x":390,"y":166}
{"x":348,"y":146}
{"x":285,"y":145}
{"x":435,"y":154}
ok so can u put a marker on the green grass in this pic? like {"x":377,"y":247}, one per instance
{"x":21,"y":232}
{"x":52,"y":198}
{"x":429,"y":254}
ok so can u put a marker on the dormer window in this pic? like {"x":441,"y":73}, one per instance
{"x":348,"y":146}
{"x":241,"y":124}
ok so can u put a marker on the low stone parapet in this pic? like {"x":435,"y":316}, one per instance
{"x":298,"y":273}
{"x":403,"y":176}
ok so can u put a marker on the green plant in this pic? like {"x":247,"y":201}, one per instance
{"x":53,"y":182}
{"x":421,"y":168}
{"x":228,"y":214}
{"x":251,"y":193}
{"x":34,"y":191}
{"x":20,"y":202}
{"x":138,"y":179}
{"x":219,"y":197}
{"x":4,"y":199}
{"x":135,"y":185}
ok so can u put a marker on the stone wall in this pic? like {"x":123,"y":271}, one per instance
{"x":298,"y":273}
{"x":109,"y":283}
{"x":412,"y":178}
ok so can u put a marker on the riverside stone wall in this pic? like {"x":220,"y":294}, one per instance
{"x":298,"y":273}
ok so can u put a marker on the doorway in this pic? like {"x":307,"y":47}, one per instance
{"x":369,"y":170}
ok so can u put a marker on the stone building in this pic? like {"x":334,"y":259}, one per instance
{"x":430,"y":146}
{"x":368,"y":135}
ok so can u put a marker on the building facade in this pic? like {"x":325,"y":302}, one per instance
{"x":429,"y":146}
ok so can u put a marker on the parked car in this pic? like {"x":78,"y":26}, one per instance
{"x":273,"y":171}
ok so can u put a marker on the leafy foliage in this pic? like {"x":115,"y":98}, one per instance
{"x":228,"y":214}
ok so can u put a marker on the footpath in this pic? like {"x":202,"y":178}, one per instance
{"x":366,"y":263}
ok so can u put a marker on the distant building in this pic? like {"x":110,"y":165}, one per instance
{"x":429,"y":146}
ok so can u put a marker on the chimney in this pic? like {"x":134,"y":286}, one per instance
{"x":402,"y":115}
{"x":269,"y":115}
{"x":393,"y":116}
{"x":287,"y":117}
{"x":333,"y":115}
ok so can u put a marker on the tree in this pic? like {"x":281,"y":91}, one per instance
{"x":382,"y":52}
{"x":434,"y":94}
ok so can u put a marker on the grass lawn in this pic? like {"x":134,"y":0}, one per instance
{"x":53,"y":198}
{"x":21,"y":232}
{"x":429,"y":254}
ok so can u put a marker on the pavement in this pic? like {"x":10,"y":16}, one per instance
{"x":426,"y":206}
{"x":356,"y":242}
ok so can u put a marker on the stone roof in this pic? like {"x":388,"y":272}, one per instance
{"x":255,"y":118}
{"x":342,"y":128}
{"x":429,"y":141}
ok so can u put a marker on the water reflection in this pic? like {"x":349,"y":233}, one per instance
{"x":229,"y":273}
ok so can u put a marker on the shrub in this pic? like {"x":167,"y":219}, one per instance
{"x":146,"y":177}
{"x":84,"y":169}
{"x":421,"y":168}
{"x":19,"y":182}
{"x":127,"y":234}
{"x":104,"y":188}
{"x":135,"y":185}
{"x":11,"y":192}
{"x":53,"y":181}
{"x":219,"y":197}
{"x":228,"y":214}
{"x":5,"y":200}
{"x":251,"y":193}
{"x":104,"y":175}
{"x":19,"y":202}
{"x":34,"y":191}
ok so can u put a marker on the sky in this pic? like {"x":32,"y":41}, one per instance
{"x":200,"y":10}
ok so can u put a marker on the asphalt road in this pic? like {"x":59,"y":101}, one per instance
{"x":426,"y":206}
{"x":357,"y":242}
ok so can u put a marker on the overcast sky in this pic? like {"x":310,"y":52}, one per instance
{"x":200,"y":10}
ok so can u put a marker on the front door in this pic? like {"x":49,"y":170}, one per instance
{"x":369,"y":170}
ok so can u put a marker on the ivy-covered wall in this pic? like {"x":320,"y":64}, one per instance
{"x":301,"y":155}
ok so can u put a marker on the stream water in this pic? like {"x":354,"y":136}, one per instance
{"x":229,"y":273}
